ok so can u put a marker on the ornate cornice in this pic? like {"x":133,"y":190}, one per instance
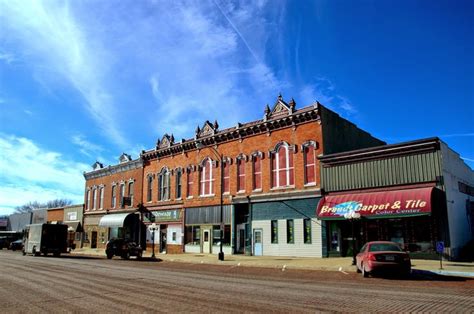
{"x":122,"y":167}
{"x":241,"y":131}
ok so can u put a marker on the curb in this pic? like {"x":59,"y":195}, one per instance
{"x":441,"y":272}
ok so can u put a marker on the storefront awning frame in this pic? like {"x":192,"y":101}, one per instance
{"x":113,"y":220}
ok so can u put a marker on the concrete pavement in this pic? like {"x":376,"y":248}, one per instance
{"x":283,"y":262}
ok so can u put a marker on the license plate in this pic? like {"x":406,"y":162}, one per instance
{"x":389,"y":258}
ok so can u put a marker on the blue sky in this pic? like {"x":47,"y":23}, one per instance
{"x":82,"y":81}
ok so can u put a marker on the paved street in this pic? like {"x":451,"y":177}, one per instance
{"x":83,"y":284}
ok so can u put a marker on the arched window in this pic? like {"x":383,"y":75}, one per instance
{"x":309,"y":156}
{"x":164,"y":184}
{"x":189,"y":182}
{"x":206,"y":178}
{"x":114,"y":196}
{"x":282,"y":166}
{"x":241,"y":173}
{"x":257,"y":171}
{"x":101,"y":195}
{"x":88,"y":200}
{"x":149,"y":188}
{"x":130,"y":192}
{"x":178,"y":183}
{"x":94,"y":199}
{"x":122,"y":194}
{"x":226,"y":176}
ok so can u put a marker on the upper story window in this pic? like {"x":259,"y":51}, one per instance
{"x":190,"y":182}
{"x":122,"y":193}
{"x":309,"y":156}
{"x":178,"y":183}
{"x":257,"y":171}
{"x":131,"y":192}
{"x":226,"y":176}
{"x":88,"y":200}
{"x":149,"y":188}
{"x":101,"y":195}
{"x":282,"y":166}
{"x":114,"y":196}
{"x":240,"y":174}
{"x":164,"y":185}
{"x":94,"y":199}
{"x":206,"y":178}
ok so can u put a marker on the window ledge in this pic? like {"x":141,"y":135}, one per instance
{"x":257,"y":191}
{"x":287,"y":187}
{"x":241,"y":192}
{"x":310,"y":184}
{"x":207,"y":196}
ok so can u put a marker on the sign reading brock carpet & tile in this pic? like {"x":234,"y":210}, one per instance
{"x":377,"y":204}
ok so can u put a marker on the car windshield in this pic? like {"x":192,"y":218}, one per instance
{"x":376,"y":247}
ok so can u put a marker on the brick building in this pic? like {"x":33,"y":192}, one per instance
{"x":255,"y":186}
{"x":264,"y":173}
{"x":112,"y":196}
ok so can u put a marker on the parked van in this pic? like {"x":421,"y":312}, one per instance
{"x":45,"y":239}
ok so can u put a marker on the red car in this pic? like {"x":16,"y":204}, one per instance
{"x":382,"y":256}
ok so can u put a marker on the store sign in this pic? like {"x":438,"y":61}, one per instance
{"x":377,"y":204}
{"x":167,"y":215}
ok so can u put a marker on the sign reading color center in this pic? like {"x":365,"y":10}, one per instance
{"x":399,"y":203}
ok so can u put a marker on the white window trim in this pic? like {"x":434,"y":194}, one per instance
{"x":277,"y":169}
{"x":202,"y":181}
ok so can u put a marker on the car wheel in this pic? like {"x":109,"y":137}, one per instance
{"x":23,"y":251}
{"x":126,"y":255}
{"x":139,"y":255}
{"x":365,"y":274}
{"x":35,"y":253}
{"x":110,"y":255}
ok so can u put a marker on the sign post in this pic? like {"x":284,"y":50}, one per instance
{"x":440,"y":250}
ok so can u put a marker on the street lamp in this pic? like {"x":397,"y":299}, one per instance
{"x":153,"y":227}
{"x":352,"y":216}
{"x":199,"y":145}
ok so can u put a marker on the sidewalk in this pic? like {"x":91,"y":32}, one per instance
{"x":283,"y":262}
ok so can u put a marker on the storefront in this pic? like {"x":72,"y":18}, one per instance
{"x":124,"y":225}
{"x":203,"y":225}
{"x":94,"y":236}
{"x":411,"y":217}
{"x":168,"y":234}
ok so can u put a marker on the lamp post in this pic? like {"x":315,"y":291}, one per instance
{"x":152,"y":229}
{"x":352,"y":216}
{"x":221,"y":164}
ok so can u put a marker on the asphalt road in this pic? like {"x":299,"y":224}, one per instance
{"x":85,"y":284}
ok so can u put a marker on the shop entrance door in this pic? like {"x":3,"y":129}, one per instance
{"x":257,"y":242}
{"x":206,"y":241}
{"x":94,"y":240}
{"x":162,"y":240}
{"x":240,"y":238}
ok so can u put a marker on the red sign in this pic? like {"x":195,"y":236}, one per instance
{"x":377,"y":204}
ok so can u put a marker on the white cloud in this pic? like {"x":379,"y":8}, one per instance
{"x":324,"y":91}
{"x":87,"y":148}
{"x":55,"y":42}
{"x":31,"y":173}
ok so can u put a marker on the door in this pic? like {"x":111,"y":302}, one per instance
{"x":93,"y":239}
{"x":206,"y":241}
{"x":257,"y":242}
{"x":163,"y":240}
{"x":240,"y":241}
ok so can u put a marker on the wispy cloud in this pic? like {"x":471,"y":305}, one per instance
{"x":7,"y":57}
{"x":57,"y":43}
{"x":324,"y":91}
{"x":87,"y":148}
{"x":31,"y":173}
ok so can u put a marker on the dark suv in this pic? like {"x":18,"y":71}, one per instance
{"x":123,"y":248}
